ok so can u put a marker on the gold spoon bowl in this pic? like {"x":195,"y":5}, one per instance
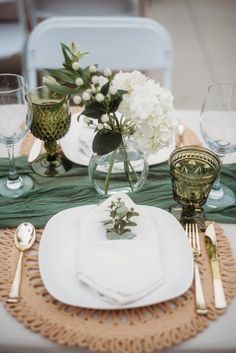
{"x":24,"y":238}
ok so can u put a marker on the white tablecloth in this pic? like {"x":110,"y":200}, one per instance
{"x":218,"y":337}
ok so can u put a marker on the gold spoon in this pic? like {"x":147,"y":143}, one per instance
{"x":24,"y":238}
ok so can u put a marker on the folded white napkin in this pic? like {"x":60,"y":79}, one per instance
{"x":120,"y":271}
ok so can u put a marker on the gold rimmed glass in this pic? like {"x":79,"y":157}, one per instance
{"x":51,"y":121}
{"x":193,"y":171}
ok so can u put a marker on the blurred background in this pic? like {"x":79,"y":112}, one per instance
{"x":203,"y":34}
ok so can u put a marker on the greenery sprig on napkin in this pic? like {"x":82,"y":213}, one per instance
{"x":120,"y":219}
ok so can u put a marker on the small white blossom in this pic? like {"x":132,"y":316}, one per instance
{"x":86,"y":96}
{"x":75,"y":65}
{"x":94,"y":80}
{"x":93,"y":89}
{"x":92,"y":68}
{"x":77,"y":99}
{"x":107,"y":72}
{"x":79,"y":81}
{"x":100,"y":126}
{"x":104,"y":118}
{"x":102,"y":80}
{"x":99,"y":97}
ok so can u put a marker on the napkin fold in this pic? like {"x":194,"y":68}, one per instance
{"x":119,"y":271}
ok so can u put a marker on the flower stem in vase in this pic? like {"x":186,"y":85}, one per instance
{"x":107,"y":179}
{"x":127,"y":164}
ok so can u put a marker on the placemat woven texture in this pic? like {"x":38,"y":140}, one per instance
{"x":144,"y":329}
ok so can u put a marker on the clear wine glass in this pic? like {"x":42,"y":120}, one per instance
{"x":15,"y":121}
{"x":218,"y":128}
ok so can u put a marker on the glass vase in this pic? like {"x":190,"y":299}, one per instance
{"x":124,"y":169}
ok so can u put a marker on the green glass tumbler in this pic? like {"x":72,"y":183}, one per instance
{"x":51,"y":121}
{"x":193,"y":171}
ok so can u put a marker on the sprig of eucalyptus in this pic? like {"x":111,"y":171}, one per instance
{"x":117,"y":227}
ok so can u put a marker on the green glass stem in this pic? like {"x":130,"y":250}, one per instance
{"x":51,"y":149}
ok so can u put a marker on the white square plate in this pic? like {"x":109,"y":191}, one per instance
{"x":58,"y":251}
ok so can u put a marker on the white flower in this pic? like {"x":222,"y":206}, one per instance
{"x":100,"y":126}
{"x":102,"y":81}
{"x":107,"y":72}
{"x":77,"y":99}
{"x":104,"y":118}
{"x":75,"y":65}
{"x":149,"y":107}
{"x":99,"y":97}
{"x":79,"y":81}
{"x":92,"y":68}
{"x":86,"y":96}
{"x":94,"y":79}
{"x":93,"y":89}
{"x":112,"y":90}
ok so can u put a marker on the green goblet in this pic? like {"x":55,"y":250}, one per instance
{"x":51,"y":121}
{"x":193,"y":171}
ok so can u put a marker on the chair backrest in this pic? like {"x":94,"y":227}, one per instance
{"x":119,"y":43}
{"x":13,"y":33}
{"x":42,"y":9}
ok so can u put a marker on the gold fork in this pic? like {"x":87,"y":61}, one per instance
{"x":191,"y":230}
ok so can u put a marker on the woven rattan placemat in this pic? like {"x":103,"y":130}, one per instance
{"x":144,"y":329}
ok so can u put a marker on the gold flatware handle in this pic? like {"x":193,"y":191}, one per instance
{"x":220,"y":301}
{"x":199,"y":295}
{"x":15,"y":287}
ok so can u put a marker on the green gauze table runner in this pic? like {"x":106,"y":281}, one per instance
{"x":52,"y":195}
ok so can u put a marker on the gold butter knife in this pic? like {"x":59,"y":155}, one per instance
{"x":211,"y":248}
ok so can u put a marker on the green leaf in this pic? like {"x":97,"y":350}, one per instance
{"x":94,"y":110}
{"x":128,"y":235}
{"x":106,"y":142}
{"x":135,"y":213}
{"x":58,"y":106}
{"x":66,"y":56}
{"x":62,"y":75}
{"x":131,"y":224}
{"x":62,"y":90}
{"x":105,"y":88}
{"x":114,"y":104}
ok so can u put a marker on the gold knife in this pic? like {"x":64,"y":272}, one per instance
{"x":211,"y":248}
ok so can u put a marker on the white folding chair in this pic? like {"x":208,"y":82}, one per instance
{"x":42,"y":9}
{"x":119,"y":43}
{"x":13,"y":33}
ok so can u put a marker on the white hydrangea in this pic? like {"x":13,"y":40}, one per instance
{"x":150,"y":107}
